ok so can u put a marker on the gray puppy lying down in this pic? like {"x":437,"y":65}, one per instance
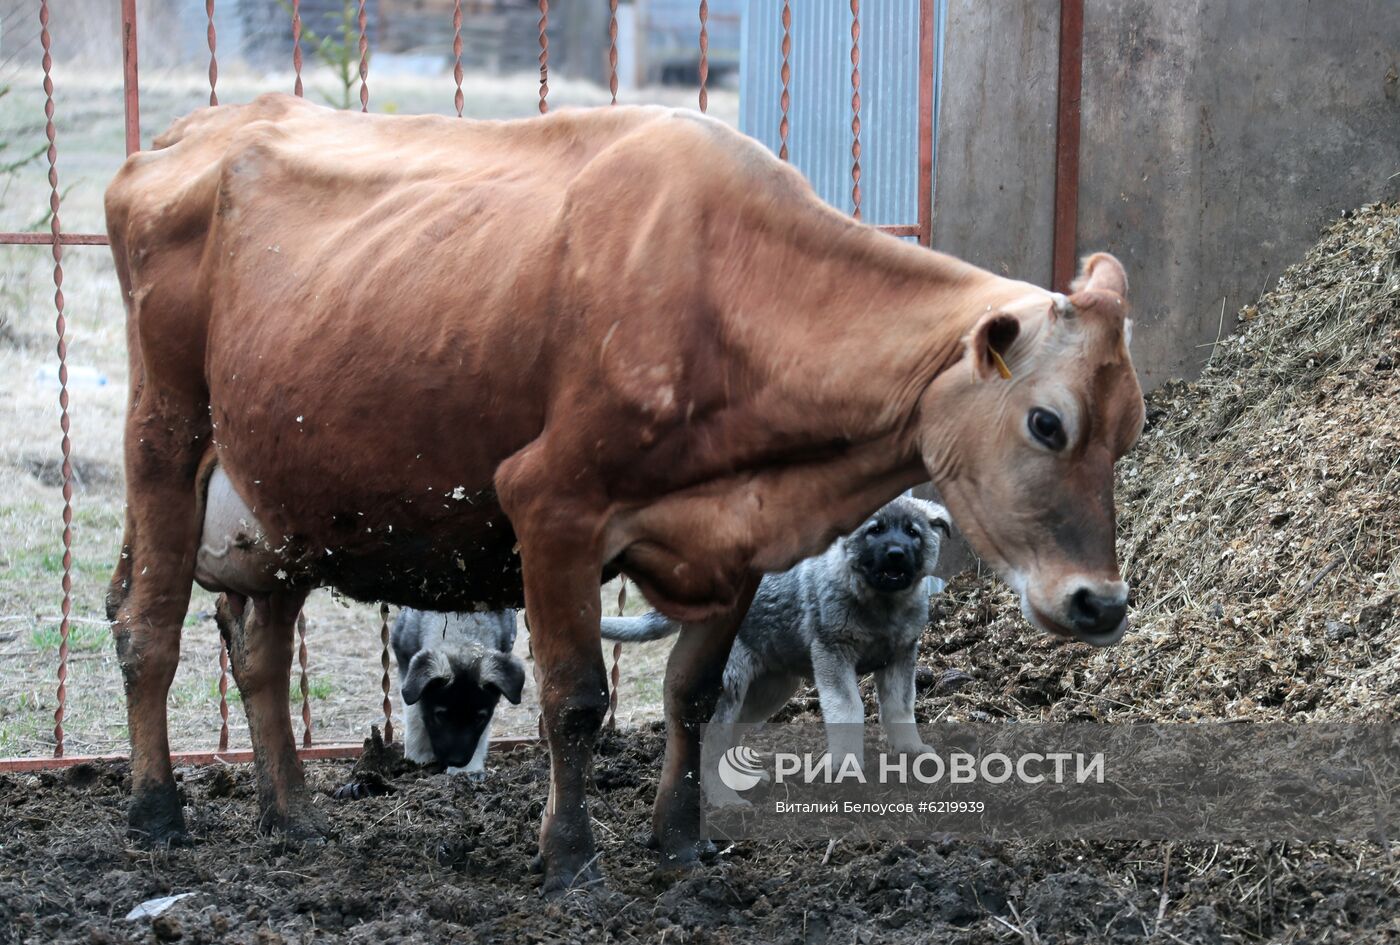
{"x":859,"y":607}
{"x":453,"y":670}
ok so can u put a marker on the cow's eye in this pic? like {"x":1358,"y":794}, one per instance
{"x":1046,"y":427}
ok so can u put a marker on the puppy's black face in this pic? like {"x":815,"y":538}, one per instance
{"x":455,"y":715}
{"x":889,"y":551}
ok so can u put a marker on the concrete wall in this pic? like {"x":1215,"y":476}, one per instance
{"x":994,"y":188}
{"x":1216,"y":139}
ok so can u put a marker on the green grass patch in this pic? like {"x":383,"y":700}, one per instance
{"x":317,"y":689}
{"x":82,"y":638}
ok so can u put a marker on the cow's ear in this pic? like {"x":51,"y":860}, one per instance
{"x":938,"y":517}
{"x":428,"y":668}
{"x":990,"y":343}
{"x":504,"y":673}
{"x":1101,"y":272}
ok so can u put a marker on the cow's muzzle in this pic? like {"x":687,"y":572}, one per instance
{"x":1093,"y":613}
{"x":1097,"y":618}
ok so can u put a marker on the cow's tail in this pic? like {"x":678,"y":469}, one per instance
{"x":652,"y":626}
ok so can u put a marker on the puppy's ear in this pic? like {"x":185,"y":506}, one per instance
{"x":428,"y":668}
{"x":502,"y":672}
{"x":938,"y":517}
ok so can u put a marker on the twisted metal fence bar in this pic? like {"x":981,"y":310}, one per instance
{"x":785,"y":74}
{"x":297,"y":88}
{"x":457,"y":99}
{"x":704,"y":55}
{"x":544,"y":56}
{"x":855,"y":107}
{"x":387,"y":705}
{"x":61,"y":327}
{"x":213,"y":53}
{"x":223,"y":693}
{"x":612,"y":49}
{"x":305,"y":681}
{"x":363,"y":22}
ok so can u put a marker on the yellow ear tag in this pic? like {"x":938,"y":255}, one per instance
{"x":1002,"y":369}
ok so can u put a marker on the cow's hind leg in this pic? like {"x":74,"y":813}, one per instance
{"x":694,"y":678}
{"x":260,"y":633}
{"x":150,"y":592}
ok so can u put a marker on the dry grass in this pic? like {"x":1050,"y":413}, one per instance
{"x":343,"y":638}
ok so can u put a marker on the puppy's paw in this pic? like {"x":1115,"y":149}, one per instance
{"x":474,"y":775}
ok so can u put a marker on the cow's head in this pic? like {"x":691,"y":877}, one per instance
{"x":1030,"y":423}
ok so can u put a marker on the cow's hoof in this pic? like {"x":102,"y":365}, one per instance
{"x":563,"y":878}
{"x":156,"y":816}
{"x":672,"y":867}
{"x":685,"y":857}
{"x":301,"y":824}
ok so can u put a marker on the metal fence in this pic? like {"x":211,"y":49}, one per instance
{"x":783,"y":85}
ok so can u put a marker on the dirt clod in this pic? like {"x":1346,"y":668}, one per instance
{"x":167,"y":928}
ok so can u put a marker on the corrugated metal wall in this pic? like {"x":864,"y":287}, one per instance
{"x":819,"y":142}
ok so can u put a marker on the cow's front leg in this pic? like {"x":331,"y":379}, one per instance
{"x":260,"y":632}
{"x":561,"y":597}
{"x":694,"y":678}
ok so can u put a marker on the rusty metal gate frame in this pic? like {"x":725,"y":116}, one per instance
{"x":57,"y":239}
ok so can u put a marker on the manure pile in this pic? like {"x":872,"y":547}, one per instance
{"x":1259,"y":526}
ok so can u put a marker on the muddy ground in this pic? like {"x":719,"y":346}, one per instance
{"x":441,"y":859}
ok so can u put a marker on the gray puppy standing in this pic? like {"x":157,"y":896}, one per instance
{"x":453,"y":670}
{"x":860,"y":607}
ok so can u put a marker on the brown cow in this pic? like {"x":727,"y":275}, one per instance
{"x":450,"y":364}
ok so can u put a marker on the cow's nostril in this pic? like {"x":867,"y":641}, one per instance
{"x":1095,"y":614}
